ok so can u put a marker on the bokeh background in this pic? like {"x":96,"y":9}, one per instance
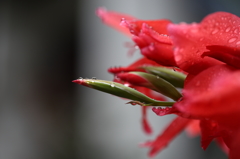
{"x":46,"y":44}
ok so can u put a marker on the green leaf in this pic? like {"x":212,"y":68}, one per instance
{"x":175,"y":78}
{"x":117,"y":89}
{"x":160,"y":85}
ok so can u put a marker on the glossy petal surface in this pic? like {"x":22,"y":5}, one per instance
{"x":213,"y":94}
{"x":190,"y":41}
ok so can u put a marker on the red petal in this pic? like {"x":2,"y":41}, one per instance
{"x":113,"y":19}
{"x":155,"y":46}
{"x":177,"y":125}
{"x":228,"y":55}
{"x":133,"y":67}
{"x":135,"y":26}
{"x":209,"y":131}
{"x":135,"y":80}
{"x":213,"y":94}
{"x":193,"y":128}
{"x":219,"y":28}
{"x":146,"y":126}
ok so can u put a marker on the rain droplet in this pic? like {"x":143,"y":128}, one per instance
{"x":236,"y":31}
{"x":112,"y":85}
{"x":232,"y":40}
{"x":136,"y":47}
{"x":201,"y":39}
{"x":94,"y":78}
{"x":228,"y":29}
{"x":151,"y":47}
{"x":133,"y":104}
{"x":178,"y":57}
{"x":157,"y":77}
{"x":215,"y":31}
{"x":126,"y":84}
{"x":238,"y":43}
{"x":80,"y":78}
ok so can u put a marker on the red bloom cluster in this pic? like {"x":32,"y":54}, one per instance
{"x":208,"y":52}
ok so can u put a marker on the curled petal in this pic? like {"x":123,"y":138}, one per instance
{"x":146,"y":126}
{"x":155,"y":46}
{"x":209,"y":131}
{"x":213,"y":94}
{"x":114,"y":19}
{"x":133,"y":67}
{"x":190,"y":41}
{"x":228,"y":55}
{"x":137,"y":26}
{"x":177,"y":125}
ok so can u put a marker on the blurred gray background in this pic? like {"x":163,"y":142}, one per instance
{"x":46,"y":44}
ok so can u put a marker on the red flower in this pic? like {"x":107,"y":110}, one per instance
{"x":210,"y":93}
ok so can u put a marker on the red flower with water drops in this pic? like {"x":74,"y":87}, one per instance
{"x":208,"y":52}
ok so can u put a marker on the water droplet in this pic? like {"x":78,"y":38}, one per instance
{"x":133,"y":104}
{"x":215,"y":31}
{"x":238,"y":43}
{"x":232,"y":40}
{"x":201,"y":39}
{"x":178,"y":57}
{"x":112,"y":85}
{"x":151,"y":47}
{"x":126,"y":84}
{"x":157,"y":77}
{"x":80,"y":78}
{"x":228,"y":29}
{"x":136,"y":47}
{"x":94,"y":78}
{"x":236,"y":31}
{"x":164,"y":35}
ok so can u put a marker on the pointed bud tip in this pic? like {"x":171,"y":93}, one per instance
{"x":78,"y":81}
